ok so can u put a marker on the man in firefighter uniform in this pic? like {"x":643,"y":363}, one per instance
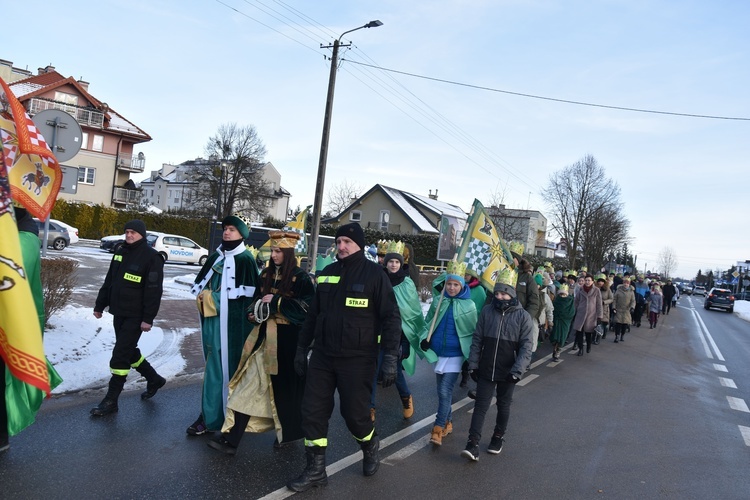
{"x":132,"y":290}
{"x":353,"y":313}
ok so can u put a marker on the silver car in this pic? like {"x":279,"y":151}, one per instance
{"x":57,"y":237}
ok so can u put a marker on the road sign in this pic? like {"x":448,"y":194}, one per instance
{"x":736,"y":274}
{"x":61,"y":131}
{"x":69,"y":180}
{"x":745,"y":282}
{"x":735,"y":281}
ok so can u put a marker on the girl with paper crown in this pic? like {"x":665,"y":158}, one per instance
{"x":451,"y":318}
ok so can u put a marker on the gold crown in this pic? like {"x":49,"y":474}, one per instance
{"x":584,"y":269}
{"x":508,"y":277}
{"x":563,"y":289}
{"x":601,"y":277}
{"x":284,"y":239}
{"x":395,"y":247}
{"x":457,"y":268}
{"x":571,"y":272}
{"x":253,"y":251}
{"x":516,"y":247}
{"x":382,"y":247}
{"x":548,"y":264}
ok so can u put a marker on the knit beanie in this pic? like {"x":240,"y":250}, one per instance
{"x":505,"y":288}
{"x":354,"y":232}
{"x":394,"y":255}
{"x":136,"y":225}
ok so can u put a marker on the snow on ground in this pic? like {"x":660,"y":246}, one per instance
{"x":742,"y":309}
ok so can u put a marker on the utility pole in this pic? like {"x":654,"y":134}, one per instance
{"x":320,"y":182}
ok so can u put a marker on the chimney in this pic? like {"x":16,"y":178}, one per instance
{"x":83,"y":84}
{"x":48,"y":69}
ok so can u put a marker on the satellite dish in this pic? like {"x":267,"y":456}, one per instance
{"x":61,"y":131}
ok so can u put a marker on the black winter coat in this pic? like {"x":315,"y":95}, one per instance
{"x":133,"y":285}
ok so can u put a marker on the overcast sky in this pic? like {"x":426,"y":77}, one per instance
{"x":180,"y":69}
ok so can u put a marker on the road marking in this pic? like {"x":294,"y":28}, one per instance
{"x":720,"y":368}
{"x":704,"y":329}
{"x":727,"y":382}
{"x":745,"y":431}
{"x":406,"y":451}
{"x":738,"y":404}
{"x":527,"y":379}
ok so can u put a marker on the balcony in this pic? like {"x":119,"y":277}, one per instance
{"x":131,"y":163}
{"x":84,"y":116}
{"x":128,"y":196}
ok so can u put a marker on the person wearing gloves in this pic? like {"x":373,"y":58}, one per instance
{"x":353,"y":314}
{"x":500,"y":353}
{"x":451,"y":319}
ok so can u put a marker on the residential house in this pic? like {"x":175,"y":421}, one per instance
{"x":173,"y":187}
{"x":392,"y":210}
{"x":106,"y":158}
{"x":527,"y":226}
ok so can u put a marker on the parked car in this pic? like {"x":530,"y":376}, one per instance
{"x":72,"y":231}
{"x":175,"y":248}
{"x":687,"y":289}
{"x":57,"y":237}
{"x":721,"y":298}
{"x":699,"y":290}
{"x":112,"y":243}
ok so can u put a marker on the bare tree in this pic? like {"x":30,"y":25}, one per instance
{"x":510,"y":225}
{"x":604,"y":233}
{"x":232,"y":178}
{"x":341,"y":195}
{"x":581,"y":198}
{"x":668,"y":261}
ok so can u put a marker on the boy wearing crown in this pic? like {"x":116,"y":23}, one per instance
{"x":500,"y":354}
{"x":451,"y":320}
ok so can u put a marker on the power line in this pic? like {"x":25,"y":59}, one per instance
{"x":579,"y":103}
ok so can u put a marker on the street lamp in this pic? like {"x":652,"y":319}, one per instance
{"x":318,"y":203}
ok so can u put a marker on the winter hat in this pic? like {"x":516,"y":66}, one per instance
{"x":136,"y":225}
{"x":539,"y":279}
{"x":354,"y":232}
{"x":372,"y":250}
{"x":236,"y":221}
{"x":506,"y":282}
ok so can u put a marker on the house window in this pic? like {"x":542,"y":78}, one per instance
{"x":385,"y":217}
{"x":84,"y":140}
{"x":66,"y":98}
{"x":98,"y":144}
{"x":152,"y":193}
{"x":86,"y":175}
{"x":355,"y":216}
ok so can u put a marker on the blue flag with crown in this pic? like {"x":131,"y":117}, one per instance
{"x":482,"y":248}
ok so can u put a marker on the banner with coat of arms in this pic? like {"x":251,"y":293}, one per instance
{"x":483,"y":248}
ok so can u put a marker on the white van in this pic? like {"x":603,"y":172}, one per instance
{"x":175,"y":248}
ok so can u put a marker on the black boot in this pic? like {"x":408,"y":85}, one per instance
{"x":154,"y":381}
{"x":315,"y":471}
{"x":109,"y":403}
{"x":370,"y":456}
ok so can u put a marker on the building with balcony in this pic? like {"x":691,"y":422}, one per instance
{"x":107,"y":157}
{"x":527,"y":226}
{"x":174,"y":188}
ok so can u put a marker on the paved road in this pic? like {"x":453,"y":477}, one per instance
{"x":647,"y":418}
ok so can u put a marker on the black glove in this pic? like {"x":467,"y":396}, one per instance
{"x":474,"y":374}
{"x":300,"y":361}
{"x":424,"y":345}
{"x":388,"y":369}
{"x":512,"y":379}
{"x":405,"y":350}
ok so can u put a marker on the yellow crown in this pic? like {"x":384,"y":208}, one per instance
{"x":571,"y":272}
{"x":457,"y":268}
{"x":395,"y":247}
{"x":283,"y":239}
{"x":252,"y":250}
{"x":548,"y":265}
{"x":508,"y":277}
{"x":516,"y":247}
{"x":584,"y":269}
{"x":382,"y":247}
{"x":563,"y":289}
{"x":601,"y":277}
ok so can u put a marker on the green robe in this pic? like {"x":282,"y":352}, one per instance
{"x":464,"y":316}
{"x":229,"y":327}
{"x":562,"y":316}
{"x":412,"y":321}
{"x":21,"y":399}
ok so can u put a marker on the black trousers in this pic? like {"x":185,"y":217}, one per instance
{"x":504,"y":393}
{"x":352,"y":377}
{"x":126,"y":352}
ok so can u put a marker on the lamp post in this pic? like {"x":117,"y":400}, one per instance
{"x":318,"y":202}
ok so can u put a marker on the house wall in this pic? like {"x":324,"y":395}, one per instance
{"x":370,"y":209}
{"x":100,"y":192}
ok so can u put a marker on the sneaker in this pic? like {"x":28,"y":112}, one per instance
{"x":496,"y":444}
{"x":198,"y":428}
{"x":221,"y":444}
{"x":471,"y":451}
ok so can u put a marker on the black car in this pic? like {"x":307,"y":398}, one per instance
{"x":720,"y":298}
